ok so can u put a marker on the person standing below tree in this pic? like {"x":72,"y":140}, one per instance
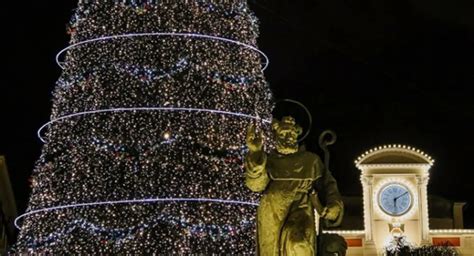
{"x":288,"y":178}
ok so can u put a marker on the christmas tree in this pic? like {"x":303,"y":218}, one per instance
{"x":143,"y":153}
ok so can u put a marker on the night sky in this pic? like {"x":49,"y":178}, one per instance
{"x":374,"y":71}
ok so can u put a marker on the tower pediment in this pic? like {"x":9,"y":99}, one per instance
{"x":393,"y":155}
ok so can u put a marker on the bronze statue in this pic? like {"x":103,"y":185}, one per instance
{"x":288,"y":179}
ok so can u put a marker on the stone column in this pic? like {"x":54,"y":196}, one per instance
{"x":422,"y":184}
{"x":367,"y":183}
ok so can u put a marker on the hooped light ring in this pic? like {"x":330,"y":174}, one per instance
{"x":162,"y":34}
{"x":132,"y":201}
{"x":214,"y":111}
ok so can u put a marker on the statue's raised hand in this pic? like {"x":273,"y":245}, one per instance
{"x":254,"y":139}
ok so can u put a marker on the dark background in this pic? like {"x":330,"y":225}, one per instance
{"x":375,"y":71}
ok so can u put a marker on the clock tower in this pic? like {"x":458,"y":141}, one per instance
{"x":394,"y":181}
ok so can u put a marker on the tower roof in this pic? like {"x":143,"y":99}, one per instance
{"x":394,"y":155}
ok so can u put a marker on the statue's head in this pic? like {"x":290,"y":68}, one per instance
{"x":286,"y":134}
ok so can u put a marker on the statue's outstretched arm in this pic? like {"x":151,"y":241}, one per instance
{"x":256,"y":177}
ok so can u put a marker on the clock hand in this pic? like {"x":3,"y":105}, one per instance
{"x":400,"y":195}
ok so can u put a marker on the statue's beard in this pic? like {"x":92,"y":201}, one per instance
{"x":286,"y":148}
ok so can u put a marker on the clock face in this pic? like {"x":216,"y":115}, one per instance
{"x":395,"y":199}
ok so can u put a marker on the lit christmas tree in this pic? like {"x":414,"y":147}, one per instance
{"x":143,"y":153}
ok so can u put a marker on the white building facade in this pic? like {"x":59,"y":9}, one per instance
{"x":395,"y":203}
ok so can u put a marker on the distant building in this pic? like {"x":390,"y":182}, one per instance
{"x":395,"y":202}
{"x":8,"y":211}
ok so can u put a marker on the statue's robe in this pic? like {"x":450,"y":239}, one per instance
{"x":285,"y":215}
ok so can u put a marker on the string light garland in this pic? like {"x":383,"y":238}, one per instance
{"x":156,"y":121}
{"x":395,"y":147}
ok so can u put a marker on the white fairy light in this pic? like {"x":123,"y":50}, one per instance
{"x":143,"y":151}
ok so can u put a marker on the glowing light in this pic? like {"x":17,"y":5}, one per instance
{"x":149,"y":74}
{"x":215,"y":111}
{"x":132,"y":201}
{"x":121,"y":235}
{"x":172,"y":34}
{"x":386,"y":148}
{"x":120,"y":155}
{"x":451,"y":231}
{"x":345,"y":232}
{"x":412,"y":190}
